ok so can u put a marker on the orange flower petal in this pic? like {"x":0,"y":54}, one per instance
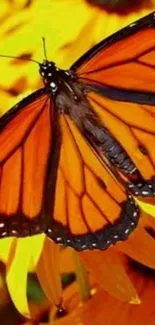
{"x":140,"y":246}
{"x":108,"y":271}
{"x":67,"y":320}
{"x":71,"y":297}
{"x":37,"y":243}
{"x":48,"y":271}
{"x":66,"y":261}
{"x":102,"y":308}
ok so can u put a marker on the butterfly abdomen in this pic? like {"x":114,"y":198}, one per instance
{"x":106,"y":144}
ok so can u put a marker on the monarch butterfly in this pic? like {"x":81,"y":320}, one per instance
{"x":74,"y":154}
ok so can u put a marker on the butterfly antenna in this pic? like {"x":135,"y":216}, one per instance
{"x":44,"y":48}
{"x":18,"y":58}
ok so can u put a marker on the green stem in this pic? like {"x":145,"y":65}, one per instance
{"x":82,"y":277}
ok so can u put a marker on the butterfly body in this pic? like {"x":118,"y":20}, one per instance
{"x":75,"y":153}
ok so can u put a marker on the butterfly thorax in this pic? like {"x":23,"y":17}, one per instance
{"x":56,"y":79}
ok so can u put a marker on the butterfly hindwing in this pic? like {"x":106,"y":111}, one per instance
{"x":132,"y":128}
{"x":91,"y":209}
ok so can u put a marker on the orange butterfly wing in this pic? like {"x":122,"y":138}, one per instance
{"x":91,"y":209}
{"x":25,"y":144}
{"x":118,"y":77}
{"x":123,"y":65}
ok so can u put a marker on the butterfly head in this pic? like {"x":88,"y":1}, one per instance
{"x":48,"y":71}
{"x":57,"y":79}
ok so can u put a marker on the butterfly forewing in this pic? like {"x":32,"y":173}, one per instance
{"x":25,"y":144}
{"x":123,"y":66}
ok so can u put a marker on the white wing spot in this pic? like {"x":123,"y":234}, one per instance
{"x":52,"y":84}
{"x":132,"y":25}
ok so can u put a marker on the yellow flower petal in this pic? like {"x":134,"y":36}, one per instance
{"x":5,"y":245}
{"x":20,"y":259}
{"x":147,"y":207}
{"x":16,"y":278}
